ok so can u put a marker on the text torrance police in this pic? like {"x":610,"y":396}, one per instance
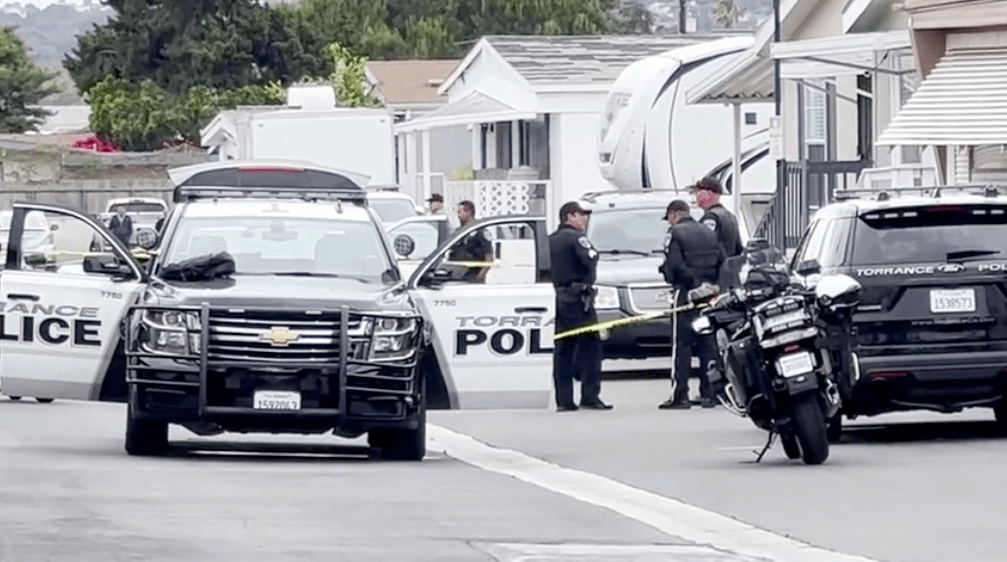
{"x":504,"y":335}
{"x":53,"y":324}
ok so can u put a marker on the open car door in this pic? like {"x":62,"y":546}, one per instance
{"x":64,"y":296}
{"x":492,"y":333}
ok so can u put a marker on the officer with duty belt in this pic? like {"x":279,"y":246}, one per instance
{"x":724,"y":225}
{"x":574,"y":264}
{"x":692,"y":256}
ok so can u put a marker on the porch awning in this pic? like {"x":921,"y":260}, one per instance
{"x":843,"y":55}
{"x":962,"y":102}
{"x":476,"y":107}
{"x":745,"y":79}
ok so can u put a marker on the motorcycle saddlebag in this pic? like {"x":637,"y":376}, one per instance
{"x":741,"y":366}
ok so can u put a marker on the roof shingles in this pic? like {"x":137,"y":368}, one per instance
{"x":582,"y":59}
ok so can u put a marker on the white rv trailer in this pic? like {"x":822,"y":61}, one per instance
{"x":650,"y":137}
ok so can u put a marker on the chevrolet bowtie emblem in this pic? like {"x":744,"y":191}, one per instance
{"x":279,"y":336}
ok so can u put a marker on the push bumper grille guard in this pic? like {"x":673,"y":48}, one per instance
{"x":353,"y":351}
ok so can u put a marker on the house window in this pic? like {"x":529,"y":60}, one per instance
{"x":815,"y":115}
{"x":751,"y":118}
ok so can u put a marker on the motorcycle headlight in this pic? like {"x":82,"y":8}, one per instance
{"x":170,"y":331}
{"x":607,"y":298}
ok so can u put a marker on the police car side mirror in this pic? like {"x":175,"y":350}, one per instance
{"x":404,"y":245}
{"x":105,"y":265}
{"x":808,"y":267}
{"x":434,"y":278}
{"x":147,"y":238}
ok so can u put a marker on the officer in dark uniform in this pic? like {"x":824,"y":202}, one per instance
{"x":574,"y":261}
{"x":477,"y":246}
{"x":692,"y":256}
{"x":725,"y":225}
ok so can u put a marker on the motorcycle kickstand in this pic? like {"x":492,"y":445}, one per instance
{"x":769,"y":443}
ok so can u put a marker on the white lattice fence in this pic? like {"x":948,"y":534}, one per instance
{"x":497,"y":197}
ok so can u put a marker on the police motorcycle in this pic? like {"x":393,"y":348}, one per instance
{"x":781,"y":354}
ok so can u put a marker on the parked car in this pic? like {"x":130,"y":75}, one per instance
{"x":931,"y":324}
{"x":144,"y":212}
{"x":38,"y":235}
{"x":392,"y":206}
{"x":627,"y":230}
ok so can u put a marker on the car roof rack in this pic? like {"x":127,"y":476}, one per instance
{"x":592,"y":196}
{"x":262,"y":179}
{"x":888,"y":193}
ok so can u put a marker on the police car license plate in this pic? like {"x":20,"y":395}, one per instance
{"x":277,"y":400}
{"x":952,"y":300}
{"x":795,"y":364}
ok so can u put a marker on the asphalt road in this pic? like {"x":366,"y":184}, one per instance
{"x":921,"y":491}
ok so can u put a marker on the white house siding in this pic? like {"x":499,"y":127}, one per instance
{"x":826,"y":21}
{"x":492,"y":76}
{"x":574,"y":165}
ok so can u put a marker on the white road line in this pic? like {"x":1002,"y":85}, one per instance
{"x":670,"y":516}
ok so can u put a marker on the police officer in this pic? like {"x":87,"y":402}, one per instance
{"x":725,"y":226}
{"x":574,"y":261}
{"x":477,"y":246}
{"x":692,"y":256}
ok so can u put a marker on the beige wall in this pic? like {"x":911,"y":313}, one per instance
{"x":826,"y":21}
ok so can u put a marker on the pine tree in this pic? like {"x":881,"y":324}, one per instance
{"x":22,"y":86}
{"x":184,"y":43}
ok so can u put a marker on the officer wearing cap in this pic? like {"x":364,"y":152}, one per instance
{"x":574,"y":264}
{"x":436,"y":204}
{"x":717,"y":218}
{"x":692,"y":256}
{"x":477,"y":246}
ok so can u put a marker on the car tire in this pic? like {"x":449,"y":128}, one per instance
{"x":1000,"y":412}
{"x":403,"y":444}
{"x":790,"y":446}
{"x":144,"y":437}
{"x":809,"y":424}
{"x":14,"y":398}
{"x":835,"y":429}
{"x":45,"y":400}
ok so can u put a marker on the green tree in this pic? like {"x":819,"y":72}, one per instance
{"x":348,"y":78}
{"x":185,"y":43}
{"x":347,"y":22}
{"x":22,"y":86}
{"x":143,"y":117}
{"x":538,"y":17}
{"x":726,"y":13}
{"x":430,"y":38}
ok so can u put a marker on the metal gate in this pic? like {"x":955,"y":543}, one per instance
{"x":807,"y":187}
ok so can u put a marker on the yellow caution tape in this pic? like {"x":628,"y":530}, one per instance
{"x":470,"y":263}
{"x":601,"y":326}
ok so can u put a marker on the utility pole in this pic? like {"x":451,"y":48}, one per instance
{"x":682,"y":16}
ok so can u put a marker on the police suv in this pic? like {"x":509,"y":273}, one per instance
{"x":931,"y":326}
{"x":313,"y":331}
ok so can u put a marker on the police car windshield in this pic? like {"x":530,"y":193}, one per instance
{"x":932,"y":234}
{"x":627,"y":231}
{"x":286,"y":246}
{"x":392,"y":210}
